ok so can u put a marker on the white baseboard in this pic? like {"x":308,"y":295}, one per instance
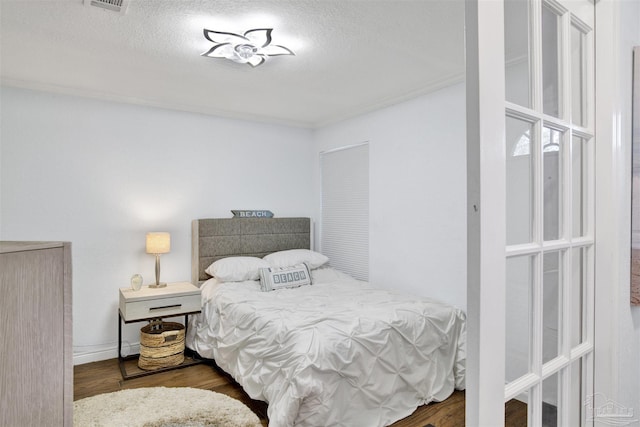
{"x":105,"y":353}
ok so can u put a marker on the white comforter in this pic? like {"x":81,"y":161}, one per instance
{"x":337,"y":353}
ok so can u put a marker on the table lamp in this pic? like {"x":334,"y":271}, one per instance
{"x":158,"y":243}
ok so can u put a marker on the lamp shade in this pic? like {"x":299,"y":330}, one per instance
{"x":158,"y":243}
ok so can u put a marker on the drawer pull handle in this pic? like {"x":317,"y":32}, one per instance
{"x":165,"y":307}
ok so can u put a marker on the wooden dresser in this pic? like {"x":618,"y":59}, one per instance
{"x":36,"y":364}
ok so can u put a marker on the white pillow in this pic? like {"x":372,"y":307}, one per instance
{"x":296,"y":256}
{"x":275,"y":278}
{"x":237,"y":268}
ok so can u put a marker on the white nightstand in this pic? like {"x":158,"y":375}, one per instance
{"x":176,"y":299}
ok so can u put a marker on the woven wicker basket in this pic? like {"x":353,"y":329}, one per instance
{"x":161,"y":345}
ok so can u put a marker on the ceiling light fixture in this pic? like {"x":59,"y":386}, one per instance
{"x":252,"y":48}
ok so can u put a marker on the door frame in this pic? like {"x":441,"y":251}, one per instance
{"x":614,"y":328}
{"x":486,"y":211}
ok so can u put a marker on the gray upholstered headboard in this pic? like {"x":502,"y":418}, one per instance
{"x":215,"y":238}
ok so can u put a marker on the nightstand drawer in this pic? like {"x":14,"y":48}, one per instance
{"x":174,"y":299}
{"x":160,"y":307}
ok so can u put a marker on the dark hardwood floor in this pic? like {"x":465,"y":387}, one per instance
{"x":104,"y":377}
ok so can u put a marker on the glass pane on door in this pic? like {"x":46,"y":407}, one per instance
{"x":550,"y":62}
{"x":579,"y":185}
{"x":578,"y":77}
{"x":516,"y":51}
{"x":577,"y":294}
{"x":576,"y":395}
{"x":516,"y":411}
{"x":552,"y":186}
{"x":519,"y":280}
{"x":519,"y":181}
{"x":552,"y":263}
{"x":551,"y":401}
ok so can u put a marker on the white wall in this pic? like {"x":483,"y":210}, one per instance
{"x":102,"y":174}
{"x":417,"y":192}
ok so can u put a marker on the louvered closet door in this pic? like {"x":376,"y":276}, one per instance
{"x":344,"y":229}
{"x":549,"y":142}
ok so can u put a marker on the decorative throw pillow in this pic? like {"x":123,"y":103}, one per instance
{"x":237,"y":268}
{"x":296,"y":256}
{"x":274,"y":278}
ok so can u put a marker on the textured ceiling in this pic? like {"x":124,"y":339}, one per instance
{"x":351,"y":55}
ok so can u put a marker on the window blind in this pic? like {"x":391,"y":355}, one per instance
{"x":344,"y":228}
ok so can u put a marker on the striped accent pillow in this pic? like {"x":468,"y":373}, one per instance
{"x":275,"y":278}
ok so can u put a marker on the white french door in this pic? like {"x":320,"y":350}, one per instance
{"x":544,"y":173}
{"x":550,"y":170}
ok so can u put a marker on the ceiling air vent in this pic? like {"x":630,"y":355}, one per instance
{"x":118,"y":6}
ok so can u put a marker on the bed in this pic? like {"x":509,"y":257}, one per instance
{"x":337,"y":352}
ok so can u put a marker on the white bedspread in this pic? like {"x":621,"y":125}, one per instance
{"x":337,"y":353}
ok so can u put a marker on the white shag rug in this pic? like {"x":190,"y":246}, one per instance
{"x":163,"y":407}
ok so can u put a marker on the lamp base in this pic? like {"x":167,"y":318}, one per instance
{"x":159,"y":285}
